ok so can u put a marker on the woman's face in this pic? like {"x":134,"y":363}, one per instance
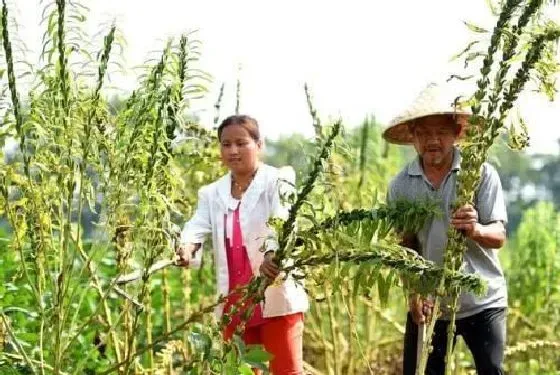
{"x":238,"y":150}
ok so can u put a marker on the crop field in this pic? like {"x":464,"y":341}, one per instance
{"x":94,"y":196}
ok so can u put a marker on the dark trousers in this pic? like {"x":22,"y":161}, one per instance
{"x":484,"y":333}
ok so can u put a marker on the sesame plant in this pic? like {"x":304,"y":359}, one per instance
{"x":331,"y":246}
{"x":534,"y":289}
{"x":112,"y":301}
{"x":350,"y":327}
{"x":63,"y":310}
{"x":521,"y":35}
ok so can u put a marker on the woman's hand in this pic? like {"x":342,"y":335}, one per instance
{"x":268,"y":268}
{"x":185,"y":253}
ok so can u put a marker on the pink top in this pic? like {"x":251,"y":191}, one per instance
{"x":240,"y":272}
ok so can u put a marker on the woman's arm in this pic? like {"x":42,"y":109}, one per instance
{"x":195,"y":230}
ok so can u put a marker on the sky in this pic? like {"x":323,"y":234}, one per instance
{"x":359,"y":57}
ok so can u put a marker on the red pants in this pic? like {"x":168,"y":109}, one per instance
{"x":281,"y":336}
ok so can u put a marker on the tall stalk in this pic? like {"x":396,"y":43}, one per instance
{"x":238,"y":95}
{"x":484,"y":127}
{"x":186,"y":279}
{"x":218,"y":105}
{"x":363,"y":152}
{"x":67,"y":201}
{"x":314,"y":116}
{"x":449,"y":257}
{"x":37,"y":288}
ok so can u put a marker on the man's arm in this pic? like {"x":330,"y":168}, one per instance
{"x":485,"y":224}
{"x":491,"y":236}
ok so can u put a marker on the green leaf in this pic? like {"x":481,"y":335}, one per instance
{"x":201,"y":341}
{"x":239,"y":343}
{"x":51,"y":23}
{"x":345,"y":269}
{"x":475,"y":28}
{"x":256,"y":355}
{"x":368,"y":231}
{"x":383,"y":287}
{"x":464,"y":51}
{"x":493,"y":8}
{"x":361,"y":275}
{"x":372,"y":277}
{"x":231,"y":360}
{"x":458,"y":77}
{"x":384,"y":229}
{"x":245,"y":369}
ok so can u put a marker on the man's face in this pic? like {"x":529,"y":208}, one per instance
{"x":434,"y":138}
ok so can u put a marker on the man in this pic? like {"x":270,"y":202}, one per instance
{"x":434,"y":127}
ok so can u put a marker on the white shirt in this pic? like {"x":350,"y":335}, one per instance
{"x":260,"y":202}
{"x":232,"y":206}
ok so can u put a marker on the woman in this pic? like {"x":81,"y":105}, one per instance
{"x":235,"y":210}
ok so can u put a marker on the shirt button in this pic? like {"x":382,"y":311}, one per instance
{"x":238,"y":273}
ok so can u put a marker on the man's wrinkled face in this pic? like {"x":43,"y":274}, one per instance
{"x":434,"y":138}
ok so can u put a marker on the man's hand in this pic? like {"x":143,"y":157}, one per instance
{"x":420,"y":308}
{"x":465,"y":219}
{"x":185,"y":253}
{"x":410,"y":240}
{"x":268,"y":268}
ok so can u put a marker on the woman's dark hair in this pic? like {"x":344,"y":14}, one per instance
{"x":247,"y":122}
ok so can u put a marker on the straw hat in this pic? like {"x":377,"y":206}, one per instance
{"x":436,"y":99}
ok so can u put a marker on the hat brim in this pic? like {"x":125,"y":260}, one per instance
{"x":399,"y":133}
